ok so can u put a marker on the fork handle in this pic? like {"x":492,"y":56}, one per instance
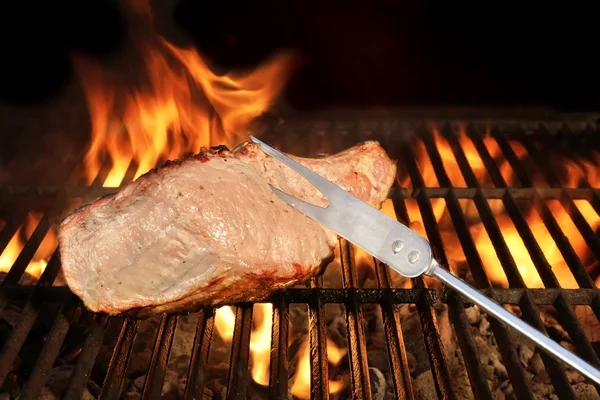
{"x":494,"y":309}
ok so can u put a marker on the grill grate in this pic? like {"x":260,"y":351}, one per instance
{"x":306,"y":138}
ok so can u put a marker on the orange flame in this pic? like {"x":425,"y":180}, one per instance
{"x":260,"y":343}
{"x":301,"y":384}
{"x":576,"y":173}
{"x":38,"y":262}
{"x":260,"y":338}
{"x":260,"y":349}
{"x":225,"y":322}
{"x":182,"y":107}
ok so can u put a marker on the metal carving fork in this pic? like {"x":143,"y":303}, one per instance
{"x":404,"y":250}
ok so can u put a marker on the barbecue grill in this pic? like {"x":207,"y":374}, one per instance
{"x":51,"y":329}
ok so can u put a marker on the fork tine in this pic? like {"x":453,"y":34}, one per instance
{"x":323,"y":185}
{"x":304,"y":207}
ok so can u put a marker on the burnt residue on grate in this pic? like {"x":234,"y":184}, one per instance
{"x":355,"y":332}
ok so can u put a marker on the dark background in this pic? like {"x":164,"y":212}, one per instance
{"x":358,"y":53}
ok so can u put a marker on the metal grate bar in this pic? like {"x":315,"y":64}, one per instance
{"x":295,"y":139}
{"x":565,"y":314}
{"x":555,"y":370}
{"x":357,"y":354}
{"x":590,"y":237}
{"x":32,"y":309}
{"x":328,"y":295}
{"x":49,"y":352}
{"x":427,"y":316}
{"x":536,"y":253}
{"x":532,"y":246}
{"x":318,"y":140}
{"x":513,"y":275}
{"x":402,"y":215}
{"x":102,"y":175}
{"x":501,"y":333}
{"x":278,"y":371}
{"x":200,"y":351}
{"x":390,"y":314}
{"x":512,"y":159}
{"x":433,"y":343}
{"x":319,"y":373}
{"x":359,"y":371}
{"x":27,"y":253}
{"x":524,"y":139}
{"x":308,"y":137}
{"x":319,"y":367}
{"x":130,"y":173}
{"x":529,"y":311}
{"x":570,"y":322}
{"x":573,"y":261}
{"x":20,"y":265}
{"x":160,"y":355}
{"x":540,"y":297}
{"x":111,"y":389}
{"x":588,"y":234}
{"x":29,"y":314}
{"x":13,"y":224}
{"x":78,"y":177}
{"x":240,"y":353}
{"x":548,"y":296}
{"x":593,"y":198}
{"x":479,"y":384}
{"x":87,"y":358}
{"x":50,"y":273}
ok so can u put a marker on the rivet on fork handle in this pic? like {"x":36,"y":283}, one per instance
{"x":397,"y":246}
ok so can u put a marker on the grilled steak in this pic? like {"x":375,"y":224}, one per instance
{"x":207,"y":230}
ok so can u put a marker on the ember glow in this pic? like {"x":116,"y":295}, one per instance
{"x":575,"y":173}
{"x":181,"y":107}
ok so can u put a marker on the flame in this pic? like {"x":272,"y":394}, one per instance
{"x":260,"y":343}
{"x":181,"y":107}
{"x":582,"y":171}
{"x":520,"y":254}
{"x":260,"y":338}
{"x":301,"y":384}
{"x":225,"y":322}
{"x":575,"y":174}
{"x":260,"y":349}
{"x":38,"y":262}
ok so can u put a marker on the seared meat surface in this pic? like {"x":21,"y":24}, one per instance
{"x":207,"y":230}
